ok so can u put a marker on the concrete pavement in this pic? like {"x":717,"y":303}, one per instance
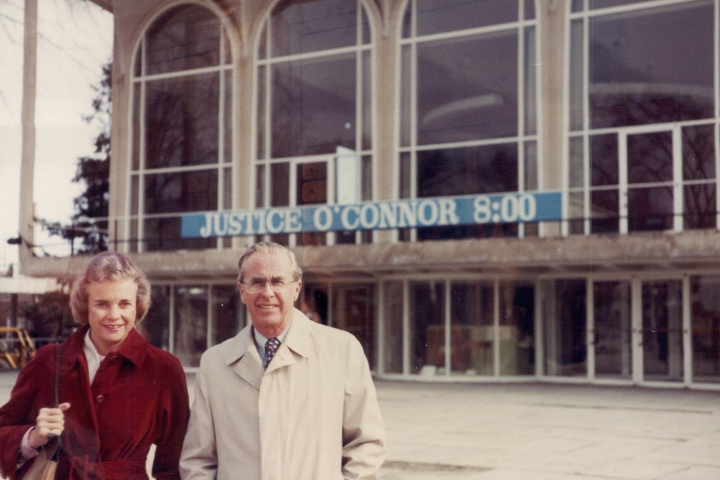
{"x":550,"y":432}
{"x":540,"y":431}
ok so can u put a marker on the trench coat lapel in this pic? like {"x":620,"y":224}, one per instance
{"x":297,"y":343}
{"x":244,"y":355}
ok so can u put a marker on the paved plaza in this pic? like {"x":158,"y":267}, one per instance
{"x":545,"y":431}
{"x":540,"y":431}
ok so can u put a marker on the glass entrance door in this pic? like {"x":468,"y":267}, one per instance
{"x":612,"y":329}
{"x":662,"y":330}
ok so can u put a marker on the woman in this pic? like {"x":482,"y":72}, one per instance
{"x":118,"y":394}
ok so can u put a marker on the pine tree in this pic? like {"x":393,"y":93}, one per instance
{"x":91,"y":207}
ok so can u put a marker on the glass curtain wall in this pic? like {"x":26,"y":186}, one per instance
{"x":191,"y":323}
{"x":516,"y":330}
{"x":468,"y":121}
{"x":393,"y":308}
{"x":155,"y":328}
{"x":181,"y":133}
{"x":705,"y":324}
{"x":642,"y":116}
{"x":227,"y":313}
{"x":564,"y":320}
{"x":186,"y":320}
{"x":458,"y":328}
{"x":427,"y":328}
{"x":662,"y":331}
{"x":472,"y":328}
{"x":314,"y":122}
{"x":612,"y":329}
{"x":353,"y":310}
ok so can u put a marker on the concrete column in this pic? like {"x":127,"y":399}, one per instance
{"x":248,"y":19}
{"x":120,"y":144}
{"x":27,"y":168}
{"x":552,"y":79}
{"x":385,"y":75}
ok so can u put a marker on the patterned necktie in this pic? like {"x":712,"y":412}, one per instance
{"x":271,"y":347}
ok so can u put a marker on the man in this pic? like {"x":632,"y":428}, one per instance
{"x":303,"y":409}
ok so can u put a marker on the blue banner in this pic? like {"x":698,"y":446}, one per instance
{"x":421,"y":212}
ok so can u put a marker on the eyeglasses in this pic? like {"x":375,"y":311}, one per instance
{"x":257,"y":285}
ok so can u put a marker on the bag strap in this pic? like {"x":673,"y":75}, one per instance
{"x":58,"y":358}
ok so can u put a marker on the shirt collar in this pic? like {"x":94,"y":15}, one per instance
{"x":260,"y":339}
{"x":134,"y":348}
{"x":89,"y":348}
{"x":299,"y":339}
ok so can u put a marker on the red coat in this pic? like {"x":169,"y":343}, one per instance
{"x":139,"y":397}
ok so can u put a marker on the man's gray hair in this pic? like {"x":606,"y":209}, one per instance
{"x":269,"y":247}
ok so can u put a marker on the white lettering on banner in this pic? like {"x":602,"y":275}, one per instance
{"x":408,"y":214}
{"x":372,"y":221}
{"x":272,"y":228}
{"x":528,"y":207}
{"x":425,"y":207}
{"x":508,"y":208}
{"x":320,"y":223}
{"x":249,"y":223}
{"x":345,"y":217}
{"x":448,"y":215}
{"x":292,"y":221}
{"x":235,"y":224}
{"x":206,"y":229}
{"x":388,"y":215}
{"x":220,"y":223}
{"x":481,"y":210}
{"x":426,"y":212}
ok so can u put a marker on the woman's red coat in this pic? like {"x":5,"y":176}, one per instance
{"x":139,"y":397}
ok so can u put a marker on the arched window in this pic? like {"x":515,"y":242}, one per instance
{"x":314,"y":124}
{"x":181,"y":133}
{"x":642,"y":116}
{"x":468,"y":121}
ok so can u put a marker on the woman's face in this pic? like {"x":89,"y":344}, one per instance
{"x":111,"y":312}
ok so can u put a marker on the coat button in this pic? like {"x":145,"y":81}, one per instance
{"x":100,"y":399}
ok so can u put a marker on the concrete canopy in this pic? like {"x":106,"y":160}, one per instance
{"x":28,"y":285}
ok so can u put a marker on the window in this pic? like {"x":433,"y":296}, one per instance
{"x":705,"y":321}
{"x":458,"y":327}
{"x":314,"y":123}
{"x":642,"y":116}
{"x":186,"y":320}
{"x":181,"y":133}
{"x":468,"y":122}
{"x":564,"y":312}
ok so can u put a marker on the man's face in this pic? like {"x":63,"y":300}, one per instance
{"x":271,"y":307}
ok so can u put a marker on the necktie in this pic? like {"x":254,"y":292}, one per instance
{"x":271,"y":347}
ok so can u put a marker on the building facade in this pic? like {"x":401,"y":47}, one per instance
{"x":260,"y":117}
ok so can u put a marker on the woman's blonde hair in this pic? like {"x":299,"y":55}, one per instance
{"x":109,"y":266}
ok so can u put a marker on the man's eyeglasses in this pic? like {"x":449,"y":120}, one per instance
{"x":257,"y":285}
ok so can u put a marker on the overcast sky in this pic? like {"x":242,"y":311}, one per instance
{"x":75,"y":41}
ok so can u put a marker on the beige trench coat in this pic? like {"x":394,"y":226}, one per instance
{"x":312,"y":415}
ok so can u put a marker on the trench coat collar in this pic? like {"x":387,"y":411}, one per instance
{"x":249,"y":365}
{"x":243,"y":354}
{"x":133,"y":349}
{"x":298,"y":338}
